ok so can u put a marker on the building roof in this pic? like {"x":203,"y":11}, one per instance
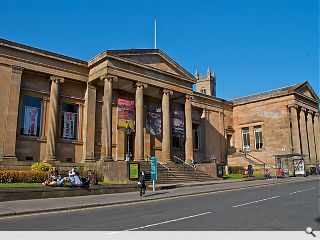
{"x":277,"y":92}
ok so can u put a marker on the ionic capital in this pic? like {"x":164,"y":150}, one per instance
{"x":189,"y":97}
{"x":140,"y":85}
{"x":109,"y":78}
{"x":91,"y":86}
{"x":56,"y":79}
{"x":293,"y":106}
{"x":303,"y":109}
{"x":310,"y":112}
{"x":17,"y":69}
{"x":166,"y":92}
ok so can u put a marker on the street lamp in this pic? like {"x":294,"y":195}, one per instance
{"x":128,"y":155}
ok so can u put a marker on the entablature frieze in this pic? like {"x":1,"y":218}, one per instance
{"x":43,"y":68}
{"x":146,"y":79}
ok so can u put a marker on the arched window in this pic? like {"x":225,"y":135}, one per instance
{"x":203,"y":90}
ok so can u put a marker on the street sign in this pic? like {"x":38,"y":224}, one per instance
{"x":153,"y":161}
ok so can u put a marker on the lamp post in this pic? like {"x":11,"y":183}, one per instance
{"x":128,"y":155}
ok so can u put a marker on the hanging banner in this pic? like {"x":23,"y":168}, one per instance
{"x":154,"y":120}
{"x":30,"y":125}
{"x":178,"y":122}
{"x":125,"y":114}
{"x":69,"y":119}
{"x":298,"y":167}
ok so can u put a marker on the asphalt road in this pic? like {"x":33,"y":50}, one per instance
{"x":289,"y":207}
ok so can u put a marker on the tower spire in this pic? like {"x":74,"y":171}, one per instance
{"x":208,"y":73}
{"x":196,"y":75}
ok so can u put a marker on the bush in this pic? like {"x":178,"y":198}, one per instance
{"x":41,"y":166}
{"x":235,"y":169}
{"x":25,"y":176}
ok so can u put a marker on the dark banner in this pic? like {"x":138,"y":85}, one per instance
{"x":154,"y":120}
{"x":178,"y":122}
{"x":126,"y":117}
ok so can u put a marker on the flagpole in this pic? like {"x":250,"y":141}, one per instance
{"x":155,"y":33}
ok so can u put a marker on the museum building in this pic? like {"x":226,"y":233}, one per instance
{"x":133,"y":104}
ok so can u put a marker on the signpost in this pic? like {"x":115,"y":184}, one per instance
{"x":153,"y":162}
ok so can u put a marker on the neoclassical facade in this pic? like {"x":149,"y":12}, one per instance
{"x":139,"y":103}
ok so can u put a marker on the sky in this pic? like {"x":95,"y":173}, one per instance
{"x":252,"y":45}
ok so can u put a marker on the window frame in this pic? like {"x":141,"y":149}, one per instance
{"x":61,"y":117}
{"x":22,"y":117}
{"x":247,"y":147}
{"x":256,"y":128}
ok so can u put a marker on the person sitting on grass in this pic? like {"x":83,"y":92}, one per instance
{"x":267,"y":174}
{"x":53,"y":175}
{"x":75,"y":179}
{"x":59,"y":182}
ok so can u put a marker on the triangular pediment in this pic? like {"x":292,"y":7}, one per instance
{"x":154,"y":58}
{"x":306,"y":90}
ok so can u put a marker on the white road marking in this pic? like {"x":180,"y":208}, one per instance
{"x":169,"y":221}
{"x":265,"y":199}
{"x":302,"y":190}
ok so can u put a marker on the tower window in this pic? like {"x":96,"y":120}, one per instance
{"x":203,"y":90}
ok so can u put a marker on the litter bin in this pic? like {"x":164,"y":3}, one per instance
{"x":219,"y":170}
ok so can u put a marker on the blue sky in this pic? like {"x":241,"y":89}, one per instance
{"x":252,"y":45}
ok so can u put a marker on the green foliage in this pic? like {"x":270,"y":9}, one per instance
{"x":41,"y":166}
{"x":22,"y":176}
{"x":236,"y":169}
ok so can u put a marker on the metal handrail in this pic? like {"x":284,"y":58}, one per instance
{"x":148,"y":157}
{"x":259,"y":160}
{"x":185,"y":162}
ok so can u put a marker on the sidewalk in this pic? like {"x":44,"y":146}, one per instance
{"x":21,"y":207}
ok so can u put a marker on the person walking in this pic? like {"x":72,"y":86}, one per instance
{"x":142,"y":184}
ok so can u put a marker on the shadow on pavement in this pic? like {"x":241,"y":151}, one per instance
{"x":154,"y":194}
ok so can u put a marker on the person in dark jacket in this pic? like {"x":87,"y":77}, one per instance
{"x":92,"y":178}
{"x":142,"y":184}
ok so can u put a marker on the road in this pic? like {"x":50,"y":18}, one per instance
{"x":288,"y":206}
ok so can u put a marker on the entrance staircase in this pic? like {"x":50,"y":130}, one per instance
{"x":177,"y":173}
{"x":242,"y":159}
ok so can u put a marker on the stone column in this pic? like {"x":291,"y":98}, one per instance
{"x":9,"y":150}
{"x":317,"y":135}
{"x":312,"y":147}
{"x":44,"y":118}
{"x":166,"y":129}
{"x":107,"y":116}
{"x":89,"y":120}
{"x":303,"y":134}
{"x":80,"y":127}
{"x":188,"y":117}
{"x":296,"y":148}
{"x":139,"y":138}
{"x":52,"y":120}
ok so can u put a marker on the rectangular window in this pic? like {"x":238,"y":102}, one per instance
{"x":31,"y":117}
{"x":246,"y":139}
{"x":69,"y":121}
{"x":195,"y":136}
{"x":258,"y":137}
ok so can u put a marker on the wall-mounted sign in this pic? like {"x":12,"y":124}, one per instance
{"x":177,"y":121}
{"x":126,"y":114}
{"x":134,"y":170}
{"x":154,"y":120}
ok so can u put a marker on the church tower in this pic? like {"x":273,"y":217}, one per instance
{"x":206,"y":85}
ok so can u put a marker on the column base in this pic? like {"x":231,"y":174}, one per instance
{"x":106,"y":159}
{"x":88,"y":160}
{"x":139,"y":159}
{"x":50,"y":159}
{"x":9,"y":158}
